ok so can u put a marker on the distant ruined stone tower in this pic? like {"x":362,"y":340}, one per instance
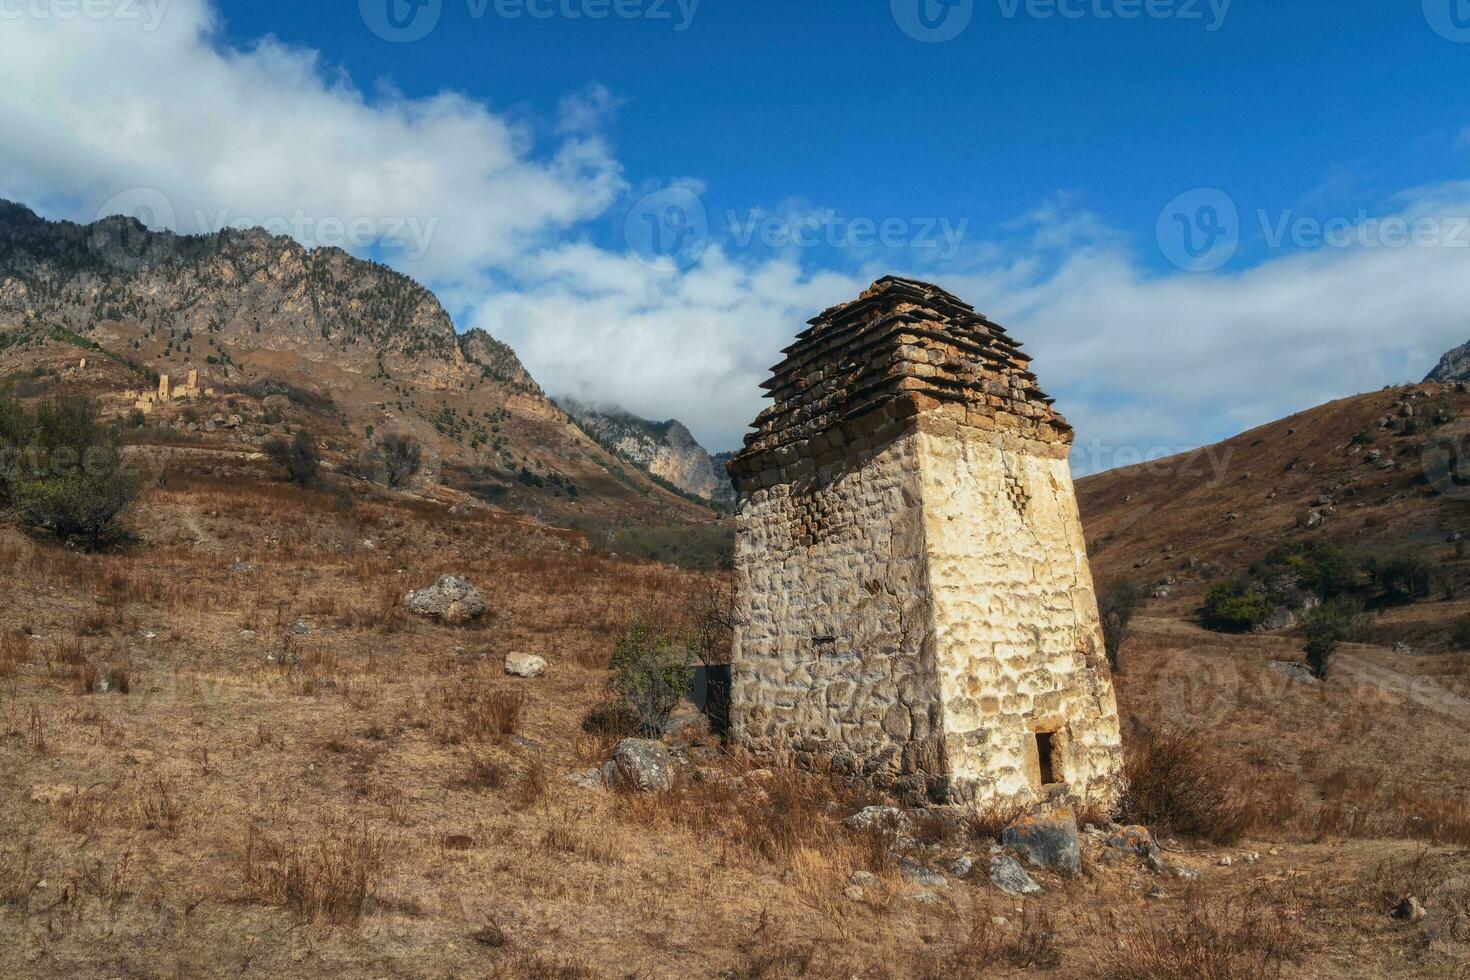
{"x":913,"y":598}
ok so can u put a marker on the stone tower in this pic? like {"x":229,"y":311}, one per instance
{"x":913,"y":599}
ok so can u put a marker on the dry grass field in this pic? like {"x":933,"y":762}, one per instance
{"x":228,"y":750}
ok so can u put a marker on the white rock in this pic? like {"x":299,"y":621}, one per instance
{"x":524,"y":665}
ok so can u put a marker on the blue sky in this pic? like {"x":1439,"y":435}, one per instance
{"x":1308,"y":104}
{"x":1045,"y":166}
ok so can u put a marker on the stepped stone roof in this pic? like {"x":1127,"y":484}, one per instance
{"x":862,"y":368}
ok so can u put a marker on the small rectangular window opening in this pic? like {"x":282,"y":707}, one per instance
{"x":1044,"y":757}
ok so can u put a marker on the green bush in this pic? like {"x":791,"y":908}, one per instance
{"x":299,"y":458}
{"x":1326,"y":570}
{"x":78,"y":508}
{"x":1328,"y":626}
{"x":61,"y":471}
{"x":1234,"y":607}
{"x":1402,"y":578}
{"x":1117,"y":606}
{"x":652,"y":667}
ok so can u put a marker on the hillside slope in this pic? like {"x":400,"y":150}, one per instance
{"x":358,"y":347}
{"x":1367,"y":472}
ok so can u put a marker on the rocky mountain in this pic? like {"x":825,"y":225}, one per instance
{"x":666,"y":449}
{"x":358,"y":347}
{"x":1453,"y":367}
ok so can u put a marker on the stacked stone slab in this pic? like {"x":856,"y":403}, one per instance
{"x":913,"y":599}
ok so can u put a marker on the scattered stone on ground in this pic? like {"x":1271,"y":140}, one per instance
{"x":916,"y":874}
{"x":1047,"y":842}
{"x":879,"y":817}
{"x":1294,"y":671}
{"x":452,"y":600}
{"x":643,"y":765}
{"x":524,"y":665}
{"x":1007,"y":874}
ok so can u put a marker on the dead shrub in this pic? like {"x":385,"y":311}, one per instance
{"x":95,"y":622}
{"x":471,"y":713}
{"x":593,"y":749}
{"x":83,"y":811}
{"x":984,"y":826}
{"x":17,"y":877}
{"x":68,"y":652}
{"x":328,"y":877}
{"x":14,"y":651}
{"x":86,"y":678}
{"x":1176,"y":780}
{"x":531,"y":788}
{"x":1029,"y":944}
{"x":1398,"y":814}
{"x":528,"y":966}
{"x":156,"y":805}
{"x":483,"y":775}
{"x":1225,"y":942}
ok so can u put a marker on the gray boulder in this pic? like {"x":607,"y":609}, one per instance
{"x":878,"y":817}
{"x":1293,"y":671}
{"x":916,"y":874}
{"x":1139,"y":842}
{"x":643,"y":765}
{"x":452,"y":599}
{"x":1008,"y":875}
{"x":1047,"y":842}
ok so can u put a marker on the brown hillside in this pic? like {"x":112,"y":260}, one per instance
{"x":1301,"y":477}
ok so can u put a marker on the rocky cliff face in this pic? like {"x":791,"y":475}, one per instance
{"x":253,"y":311}
{"x":1453,"y":367}
{"x":666,"y":449}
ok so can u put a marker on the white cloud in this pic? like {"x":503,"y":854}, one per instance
{"x":269,"y":135}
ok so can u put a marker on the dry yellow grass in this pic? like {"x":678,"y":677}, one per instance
{"x":375,"y":797}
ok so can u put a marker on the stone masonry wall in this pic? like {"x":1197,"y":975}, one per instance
{"x":834,"y":649}
{"x":913,"y":597}
{"x":1019,"y":645}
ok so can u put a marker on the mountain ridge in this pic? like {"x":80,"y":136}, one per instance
{"x":244,"y":306}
